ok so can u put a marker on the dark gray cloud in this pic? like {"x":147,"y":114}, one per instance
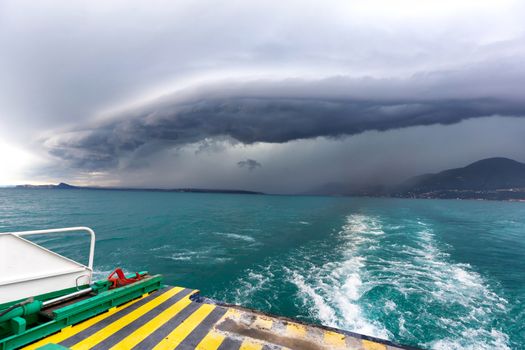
{"x":298,"y":166}
{"x":251,"y":164}
{"x":283,"y":111}
{"x":63,"y":62}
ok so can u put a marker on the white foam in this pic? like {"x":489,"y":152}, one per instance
{"x":390,"y":305}
{"x":236,"y":236}
{"x":251,"y":283}
{"x":222,"y":259}
{"x":440,"y":293}
{"x":358,"y":223}
{"x":420,"y":267}
{"x":473,"y":339}
{"x":180,"y":256}
{"x":451,"y":283}
{"x":324,"y":311}
{"x":207,"y":255}
{"x":162,"y":247}
{"x":333,"y":291}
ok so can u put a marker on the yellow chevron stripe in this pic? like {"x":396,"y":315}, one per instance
{"x":211,"y":341}
{"x":183,"y":330}
{"x":232,"y":313}
{"x":263,"y":323}
{"x":334,"y":340}
{"x":70,"y":331}
{"x":143,"y":332}
{"x":296,"y":330}
{"x":105,"y":332}
{"x":214,"y":339}
{"x":250,"y":345}
{"x":372,"y":345}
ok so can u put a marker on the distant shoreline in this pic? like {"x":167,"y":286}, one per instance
{"x":230,"y":191}
{"x":479,"y":199}
{"x":66,"y":187}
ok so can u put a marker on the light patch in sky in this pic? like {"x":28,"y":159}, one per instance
{"x":14,"y":163}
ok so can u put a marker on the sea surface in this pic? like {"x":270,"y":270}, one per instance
{"x":439,"y":274}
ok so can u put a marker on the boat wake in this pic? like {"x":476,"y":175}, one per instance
{"x":395,"y":285}
{"x":390,"y":281}
{"x":331,"y":292}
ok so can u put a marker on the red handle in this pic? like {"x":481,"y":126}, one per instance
{"x":121,"y":279}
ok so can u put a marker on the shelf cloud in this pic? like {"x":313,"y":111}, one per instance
{"x":289,"y":110}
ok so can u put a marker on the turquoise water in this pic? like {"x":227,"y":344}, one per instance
{"x":432,"y":273}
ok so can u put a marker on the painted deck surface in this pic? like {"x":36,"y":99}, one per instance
{"x":170,"y":319}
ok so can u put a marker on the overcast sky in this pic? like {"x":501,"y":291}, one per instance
{"x":276,"y":96}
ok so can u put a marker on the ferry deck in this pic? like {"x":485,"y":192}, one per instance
{"x":52,"y":309}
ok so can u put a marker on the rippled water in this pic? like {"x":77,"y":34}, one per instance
{"x":435,"y":274}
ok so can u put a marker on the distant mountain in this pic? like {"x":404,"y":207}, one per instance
{"x":65,"y":186}
{"x":492,"y":178}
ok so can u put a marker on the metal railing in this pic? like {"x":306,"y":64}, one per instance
{"x":62,"y":230}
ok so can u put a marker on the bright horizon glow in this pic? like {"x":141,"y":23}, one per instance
{"x":15,"y":162}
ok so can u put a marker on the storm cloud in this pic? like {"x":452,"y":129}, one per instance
{"x":288,"y":110}
{"x":251,"y":164}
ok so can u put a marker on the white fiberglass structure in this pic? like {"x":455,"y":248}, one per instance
{"x":28,"y":269}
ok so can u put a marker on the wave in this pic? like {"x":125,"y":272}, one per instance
{"x":253,"y":283}
{"x":110,"y":239}
{"x":162,"y":247}
{"x":235,"y":236}
{"x":205,"y":256}
{"x":255,"y":288}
